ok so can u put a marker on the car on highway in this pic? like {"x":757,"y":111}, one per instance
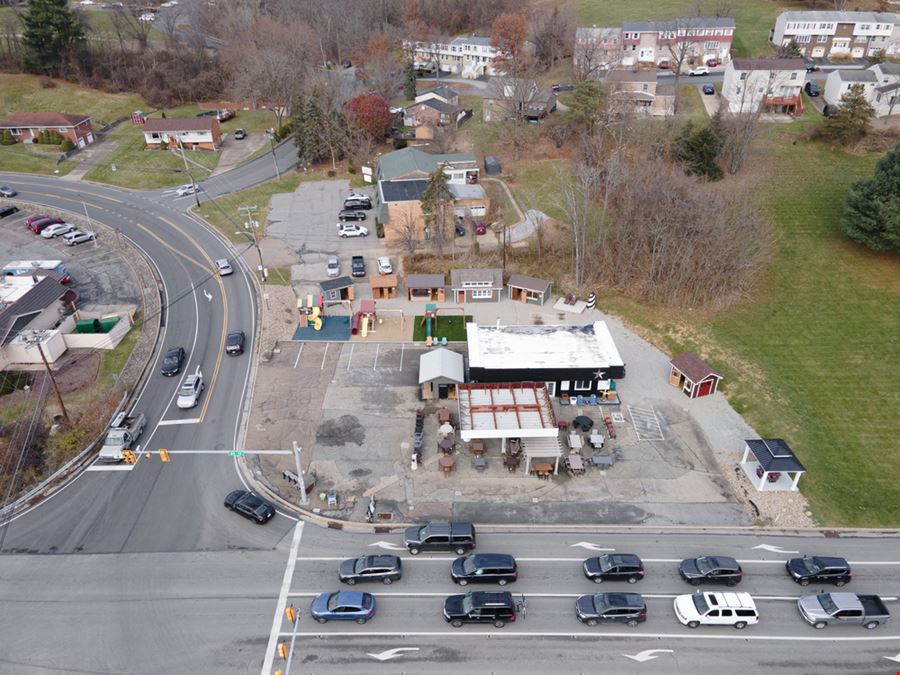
{"x":456,"y":537}
{"x":37,"y":226}
{"x":333,"y":266}
{"x":713,"y":569}
{"x":698,"y":70}
{"x":8,"y":210}
{"x":147,"y":17}
{"x":190,"y":390}
{"x":708,"y":90}
{"x":358,"y":266}
{"x":234,"y":343}
{"x":819,"y":569}
{"x":352,"y":230}
{"x":56,"y":230}
{"x":358,"y":203}
{"x":184,"y":190}
{"x":239,"y":134}
{"x":6,"y":191}
{"x":172,"y":361}
{"x":812,"y":89}
{"x":384,"y":265}
{"x":76,"y":237}
{"x":596,"y":608}
{"x":843,"y":608}
{"x":614,"y":567}
{"x":496,"y":608}
{"x":716,"y":609}
{"x":343,"y":606}
{"x":384,"y":568}
{"x":484,"y":568}
{"x":351,"y":214}
{"x":223,"y":267}
{"x":250,"y":506}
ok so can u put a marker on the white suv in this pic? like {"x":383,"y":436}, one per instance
{"x":384,"y":265}
{"x":352,"y":230}
{"x":716,"y":609}
{"x":191,"y":388}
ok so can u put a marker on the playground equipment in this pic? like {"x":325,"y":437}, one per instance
{"x":310,"y":309}
{"x":430,"y":319}
{"x":365,"y":319}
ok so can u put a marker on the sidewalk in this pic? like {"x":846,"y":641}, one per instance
{"x":91,"y":156}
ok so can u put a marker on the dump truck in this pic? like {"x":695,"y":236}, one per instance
{"x":123,"y":432}
{"x":843,"y":608}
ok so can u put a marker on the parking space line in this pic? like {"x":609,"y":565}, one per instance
{"x":402,"y":347}
{"x":323,"y":356}
{"x":375,"y":362}
{"x":646,"y":423}
{"x":299,"y":352}
{"x":350,"y":355}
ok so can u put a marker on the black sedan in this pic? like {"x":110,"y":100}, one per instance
{"x":250,"y":506}
{"x":346,"y":215}
{"x":384,"y":568}
{"x":819,"y":569}
{"x":711,"y":569}
{"x":234,"y":343}
{"x":627,"y":608}
{"x":614,"y":567}
{"x":173,"y":361}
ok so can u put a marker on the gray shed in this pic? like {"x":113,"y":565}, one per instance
{"x":440,"y":370}
{"x":492,"y":165}
{"x":337,"y":289}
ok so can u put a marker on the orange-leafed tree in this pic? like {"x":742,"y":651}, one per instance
{"x":508,"y":33}
{"x":370,"y":115}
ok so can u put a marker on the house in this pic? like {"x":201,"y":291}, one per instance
{"x":773,"y":85}
{"x":476,"y":285}
{"x":887,"y":93}
{"x":572,"y":360}
{"x":843,"y":34}
{"x":694,"y":376}
{"x":529,"y":289}
{"x":515,"y":97}
{"x":32,"y":306}
{"x":440,"y":371}
{"x":429,"y":287}
{"x":441,"y":93}
{"x":880,"y":84}
{"x":839,"y":82}
{"x":432,"y":111}
{"x":692,"y":41}
{"x":469,"y":56}
{"x":641,"y":92}
{"x":27,"y":126}
{"x":596,"y":50}
{"x":189,"y":133}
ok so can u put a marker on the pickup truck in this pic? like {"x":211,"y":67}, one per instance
{"x":123,"y":432}
{"x":843,"y":608}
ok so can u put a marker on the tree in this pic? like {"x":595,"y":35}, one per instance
{"x":552,"y":35}
{"x":872,"y":208}
{"x":578,"y":194}
{"x":370,"y":115}
{"x":508,"y":33}
{"x":697,"y":150}
{"x":307,"y":122}
{"x":557,"y":131}
{"x":437,"y":207}
{"x":852,"y":120}
{"x":52,"y":36}
{"x":585,"y":107}
{"x":513,"y":101}
{"x":735,"y":133}
{"x":408,"y":230}
{"x":789,"y":51}
{"x":409,"y":80}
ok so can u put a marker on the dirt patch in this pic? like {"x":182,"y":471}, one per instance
{"x":341,"y":431}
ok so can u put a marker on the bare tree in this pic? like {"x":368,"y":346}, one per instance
{"x":577,"y":193}
{"x":723,"y":8}
{"x":444,"y":137}
{"x":409,"y":231}
{"x":552,"y":33}
{"x":591,"y":59}
{"x":680,"y":37}
{"x":737,"y":131}
{"x":514,"y":101}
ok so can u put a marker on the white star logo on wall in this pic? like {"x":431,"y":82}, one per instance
{"x":598,"y":375}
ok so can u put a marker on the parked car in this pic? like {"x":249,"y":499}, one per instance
{"x":457,"y":537}
{"x":224,"y":115}
{"x":357,"y":203}
{"x":480,"y":607}
{"x":811,"y":66}
{"x":597,"y":608}
{"x":207,"y":113}
{"x":698,"y":70}
{"x":819,"y":569}
{"x":460,"y":230}
{"x":830,"y":110}
{"x":250,"y":506}
{"x":223,"y":267}
{"x":358,"y":266}
{"x":843,"y":608}
{"x":239,"y":134}
{"x":343,"y":606}
{"x":191,"y":388}
{"x":30,"y":220}
{"x":384,"y":265}
{"x":351,"y":214}
{"x":480,"y":227}
{"x":716,"y":609}
{"x":812,"y":88}
{"x":184,"y":190}
{"x":562,"y":87}
{"x":6,"y":191}
{"x":663,"y":64}
{"x":484,"y":568}
{"x":711,"y":569}
{"x":384,"y":568}
{"x":709,"y":90}
{"x":56,"y":230}
{"x":76,"y":237}
{"x":8,"y":210}
{"x":147,"y":17}
{"x":333,"y":266}
{"x":234,"y":343}
{"x":614,"y":567}
{"x":352,"y":230}
{"x":172,"y":361}
{"x":37,"y":226}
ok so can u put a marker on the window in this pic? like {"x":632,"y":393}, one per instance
{"x":793,"y":76}
{"x":582,"y":385}
{"x":822,"y":38}
{"x":15,"y":132}
{"x":743,"y":76}
{"x":803,"y":39}
{"x":564,"y":385}
{"x":712,"y":44}
{"x":479,"y":293}
{"x":61,"y":130}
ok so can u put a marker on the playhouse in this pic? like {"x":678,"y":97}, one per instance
{"x":365,"y":320}
{"x":384,"y":286}
{"x":428,"y":287}
{"x":310,"y":307}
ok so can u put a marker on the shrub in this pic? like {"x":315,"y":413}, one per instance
{"x":67,"y":145}
{"x":6,"y":138}
{"x":399,"y":143}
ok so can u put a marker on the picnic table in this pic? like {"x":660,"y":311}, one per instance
{"x":542,"y":470}
{"x":596,"y":439}
{"x":446,"y":463}
{"x":575,"y":464}
{"x":511,"y":462}
{"x":446,"y":445}
{"x":583,"y":422}
{"x":444,"y":415}
{"x":576,"y":442}
{"x":602,"y":461}
{"x":477,"y":447}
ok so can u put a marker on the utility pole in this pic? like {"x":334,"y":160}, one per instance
{"x":271,"y":135}
{"x":62,"y":405}
{"x":188,"y":172}
{"x":304,"y":498}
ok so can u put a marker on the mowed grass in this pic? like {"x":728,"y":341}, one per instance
{"x":452,"y":327}
{"x":20,"y":159}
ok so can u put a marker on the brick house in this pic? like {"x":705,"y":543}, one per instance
{"x":596,"y":50}
{"x":773,"y":84}
{"x":703,"y":40}
{"x":641,"y":92}
{"x":432,"y":111}
{"x":26,"y":126}
{"x":842,"y":34}
{"x":191,"y":133}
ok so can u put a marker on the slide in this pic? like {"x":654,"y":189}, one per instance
{"x":315,"y":319}
{"x":354,"y":325}
{"x":428,"y":338}
{"x":364,"y":326}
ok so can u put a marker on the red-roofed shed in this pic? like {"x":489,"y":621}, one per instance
{"x":694,"y":376}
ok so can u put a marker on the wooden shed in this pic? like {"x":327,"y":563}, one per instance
{"x":384,"y":286}
{"x":426,"y":287}
{"x":693,"y":375}
{"x":338,"y":289}
{"x":529,"y":289}
{"x":440,"y":370}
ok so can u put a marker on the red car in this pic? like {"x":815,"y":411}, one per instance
{"x":39,"y":225}
{"x":480,"y":227}
{"x":30,"y":219}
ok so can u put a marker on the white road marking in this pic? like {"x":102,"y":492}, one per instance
{"x":299,"y":352}
{"x":443,"y":559}
{"x":773,"y":549}
{"x":389,"y":654}
{"x":648,"y":654}
{"x":111,"y":467}
{"x":324,"y":355}
{"x":170,"y":423}
{"x":590,"y":547}
{"x":274,"y":634}
{"x":389,"y":546}
{"x":375,"y":362}
{"x":893,"y":658}
{"x":645,"y":422}
{"x":652,"y":596}
{"x":207,"y":295}
{"x":402,"y":347}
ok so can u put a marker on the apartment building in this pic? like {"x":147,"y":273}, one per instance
{"x":841,"y":34}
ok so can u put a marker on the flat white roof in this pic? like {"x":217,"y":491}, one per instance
{"x":563,"y":346}
{"x":514,"y":410}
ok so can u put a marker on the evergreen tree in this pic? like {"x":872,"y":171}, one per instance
{"x":409,"y":81}
{"x":851,"y":121}
{"x":51,"y":37}
{"x":307,"y":124}
{"x":437,"y":201}
{"x":872,"y":207}
{"x":697,"y":150}
{"x":585,"y":105}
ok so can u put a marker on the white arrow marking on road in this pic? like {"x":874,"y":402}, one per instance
{"x":392,"y":653}
{"x":591,"y":547}
{"x":773,"y":549}
{"x":648,"y":654}
{"x":893,"y":658}
{"x":388,"y":545}
{"x":207,"y":294}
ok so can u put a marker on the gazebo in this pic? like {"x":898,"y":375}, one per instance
{"x":772,"y":465}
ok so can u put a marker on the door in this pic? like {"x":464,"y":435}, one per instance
{"x":705,"y":388}
{"x":551,"y":388}
{"x":443,"y":389}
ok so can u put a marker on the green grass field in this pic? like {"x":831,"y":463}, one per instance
{"x":98,"y":21}
{"x":20,"y":159}
{"x":452,"y":327}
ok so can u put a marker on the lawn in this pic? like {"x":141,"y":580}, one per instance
{"x":20,"y":159}
{"x":99,"y":22}
{"x":536,"y":185}
{"x":452,"y":327}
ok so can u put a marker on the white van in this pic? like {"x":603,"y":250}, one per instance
{"x":716,"y":609}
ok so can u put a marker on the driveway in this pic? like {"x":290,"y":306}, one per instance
{"x":234,"y":152}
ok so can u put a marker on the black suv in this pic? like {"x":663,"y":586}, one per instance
{"x":353,"y":203}
{"x":484,"y":568}
{"x":495,"y":608}
{"x":812,"y":88}
{"x":173,"y":361}
{"x":250,"y":506}
{"x":358,"y":266}
{"x":627,"y":608}
{"x":817,"y":568}
{"x":614,"y":567}
{"x":347,"y":215}
{"x":384,"y":568}
{"x":456,"y":537}
{"x":711,"y":569}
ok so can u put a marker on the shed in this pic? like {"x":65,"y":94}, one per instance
{"x":694,"y":376}
{"x":384,"y":286}
{"x":427,"y":287}
{"x":476,"y":285}
{"x":773,"y":457}
{"x":529,"y":289}
{"x":492,"y":165}
{"x":440,"y":370}
{"x":338,"y":289}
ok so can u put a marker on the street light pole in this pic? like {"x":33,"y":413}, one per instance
{"x":271,"y":135}
{"x":304,"y":498}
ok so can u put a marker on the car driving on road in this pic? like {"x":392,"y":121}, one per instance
{"x":6,"y":191}
{"x":173,"y":361}
{"x":484,"y":568}
{"x":223,"y":267}
{"x":76,"y":237}
{"x":711,"y":569}
{"x":843,"y":608}
{"x":496,"y":608}
{"x":614,"y":567}
{"x":716,"y":609}
{"x":384,"y":568}
{"x":343,"y":606}
{"x":698,"y":70}
{"x":250,"y":506}
{"x":456,"y":537}
{"x":234,"y":343}
{"x":184,"y":190}
{"x":596,"y":608}
{"x":191,"y":388}
{"x":819,"y":569}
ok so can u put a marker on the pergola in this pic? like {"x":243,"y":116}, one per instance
{"x":511,"y":410}
{"x":773,"y":456}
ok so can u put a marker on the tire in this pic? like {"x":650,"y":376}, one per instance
{"x":413,"y":550}
{"x":322,"y":619}
{"x":632,"y":580}
{"x":731,"y":583}
{"x":463,"y":582}
{"x":592,"y":622}
{"x":502,"y":582}
{"x":632,"y":622}
{"x":387,"y":581}
{"x":694,"y":582}
{"x":693,"y":624}
{"x":804,"y":582}
{"x":740,"y":625}
{"x":350,"y":582}
{"x":840,"y":582}
{"x":499,"y":623}
{"x":361,"y":621}
{"x":456,"y":623}
{"x":460,"y":550}
{"x":597,"y":580}
{"x":819,"y":625}
{"x":871,"y":624}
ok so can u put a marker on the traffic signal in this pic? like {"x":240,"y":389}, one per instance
{"x":283,"y":650}
{"x":290,"y":613}
{"x":164,"y":455}
{"x":129,"y":457}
